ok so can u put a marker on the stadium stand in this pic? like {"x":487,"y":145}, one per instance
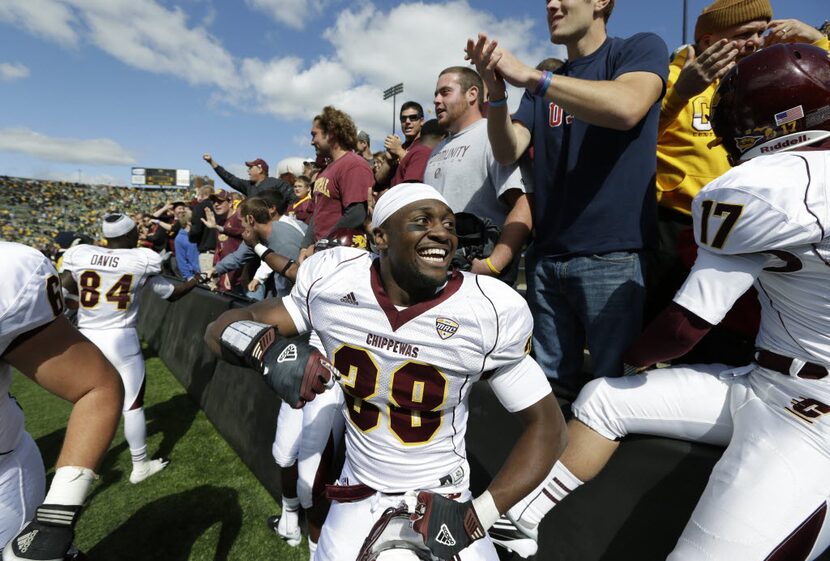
{"x":34,"y":211}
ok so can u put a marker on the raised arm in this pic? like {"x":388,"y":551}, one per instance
{"x":508,"y":138}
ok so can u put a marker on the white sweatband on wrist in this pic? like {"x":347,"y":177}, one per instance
{"x":259,"y":249}
{"x":70,"y":486}
{"x":486,"y":510}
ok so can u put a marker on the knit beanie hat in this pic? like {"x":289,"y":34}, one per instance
{"x":722,"y":14}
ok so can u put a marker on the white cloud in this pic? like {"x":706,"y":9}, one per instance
{"x":372,"y":50}
{"x":141,"y":33}
{"x":10,"y":72}
{"x":47,"y":18}
{"x":96,"y":151}
{"x":284,"y":87}
{"x":148,"y":36}
{"x":293,"y":13}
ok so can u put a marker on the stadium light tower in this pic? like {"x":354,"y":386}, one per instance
{"x":393,"y":92}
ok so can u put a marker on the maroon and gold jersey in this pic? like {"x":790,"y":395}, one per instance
{"x":407,"y":372}
{"x":110,"y":282}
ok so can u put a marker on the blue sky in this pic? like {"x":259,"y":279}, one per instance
{"x":91,"y":88}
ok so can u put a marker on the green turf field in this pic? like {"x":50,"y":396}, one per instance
{"x":206,"y":506}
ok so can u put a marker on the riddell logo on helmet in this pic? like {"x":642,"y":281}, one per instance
{"x":784,"y":144}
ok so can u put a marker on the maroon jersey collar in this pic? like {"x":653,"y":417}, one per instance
{"x":398,"y":318}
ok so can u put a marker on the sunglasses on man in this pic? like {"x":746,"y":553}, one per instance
{"x":411,"y":118}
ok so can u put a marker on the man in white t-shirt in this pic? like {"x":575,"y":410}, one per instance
{"x":108,"y":282}
{"x":38,"y":340}
{"x":463,"y":169}
{"x":765,"y":223}
{"x":410,"y":339}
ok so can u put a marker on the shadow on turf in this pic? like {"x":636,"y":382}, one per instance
{"x":158,"y":531}
{"x":172,"y":418}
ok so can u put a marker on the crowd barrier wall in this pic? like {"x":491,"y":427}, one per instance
{"x":635,"y":509}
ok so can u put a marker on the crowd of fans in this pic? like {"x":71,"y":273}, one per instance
{"x":591,"y":180}
{"x":35,"y":211}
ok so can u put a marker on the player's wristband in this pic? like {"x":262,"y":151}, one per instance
{"x":244,"y":343}
{"x":491,"y":266}
{"x":498,"y":102}
{"x":261,"y":250}
{"x":486,"y":509}
{"x":287,"y":266}
{"x":543,"y":84}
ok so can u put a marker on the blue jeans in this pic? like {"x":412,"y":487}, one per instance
{"x":595,"y":300}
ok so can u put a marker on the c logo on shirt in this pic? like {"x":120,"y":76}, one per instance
{"x":808,"y":409}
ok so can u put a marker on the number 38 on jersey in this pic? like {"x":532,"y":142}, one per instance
{"x":415,"y":393}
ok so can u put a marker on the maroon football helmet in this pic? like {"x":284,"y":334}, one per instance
{"x":774,"y":100}
{"x":344,"y":237}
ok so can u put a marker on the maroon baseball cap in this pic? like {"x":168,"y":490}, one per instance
{"x":219,"y":196}
{"x":258,"y":162}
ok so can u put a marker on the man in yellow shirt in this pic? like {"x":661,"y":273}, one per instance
{"x":725,"y":32}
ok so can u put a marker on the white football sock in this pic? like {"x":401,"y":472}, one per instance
{"x":312,"y":549}
{"x":559,"y":483}
{"x":290,"y":517}
{"x":135,"y":432}
{"x":70,"y":486}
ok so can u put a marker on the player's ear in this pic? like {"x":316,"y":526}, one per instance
{"x":381,"y":239}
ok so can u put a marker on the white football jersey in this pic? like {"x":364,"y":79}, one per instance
{"x":30,"y":296}
{"x":768,"y":222}
{"x":407,"y":372}
{"x":110,"y":283}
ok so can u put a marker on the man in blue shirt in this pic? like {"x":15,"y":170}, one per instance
{"x":187,"y":252}
{"x":593,"y":126}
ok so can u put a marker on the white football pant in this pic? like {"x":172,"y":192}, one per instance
{"x":773,"y":476}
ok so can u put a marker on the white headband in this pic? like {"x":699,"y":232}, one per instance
{"x":119,"y":227}
{"x":401,"y":195}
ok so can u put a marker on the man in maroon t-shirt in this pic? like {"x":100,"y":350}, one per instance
{"x":341,"y":188}
{"x":411,"y":167}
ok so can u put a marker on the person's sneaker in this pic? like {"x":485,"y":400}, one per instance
{"x":145,"y":469}
{"x":291,"y":538}
{"x":514,"y":537}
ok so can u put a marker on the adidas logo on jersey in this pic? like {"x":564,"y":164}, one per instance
{"x":289,"y":353}
{"x":24,"y":541}
{"x":444,"y":536}
{"x":350,"y":299}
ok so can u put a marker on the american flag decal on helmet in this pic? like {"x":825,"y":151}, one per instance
{"x":789,"y":115}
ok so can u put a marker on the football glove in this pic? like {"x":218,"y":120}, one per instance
{"x":447,"y":526}
{"x":295,"y":370}
{"x":46,"y":538}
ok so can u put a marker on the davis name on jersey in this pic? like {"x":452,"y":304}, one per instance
{"x":407,"y":372}
{"x":30,"y":296}
{"x":110,"y":282}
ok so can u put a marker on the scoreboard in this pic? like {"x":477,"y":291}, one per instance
{"x":161,"y":177}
